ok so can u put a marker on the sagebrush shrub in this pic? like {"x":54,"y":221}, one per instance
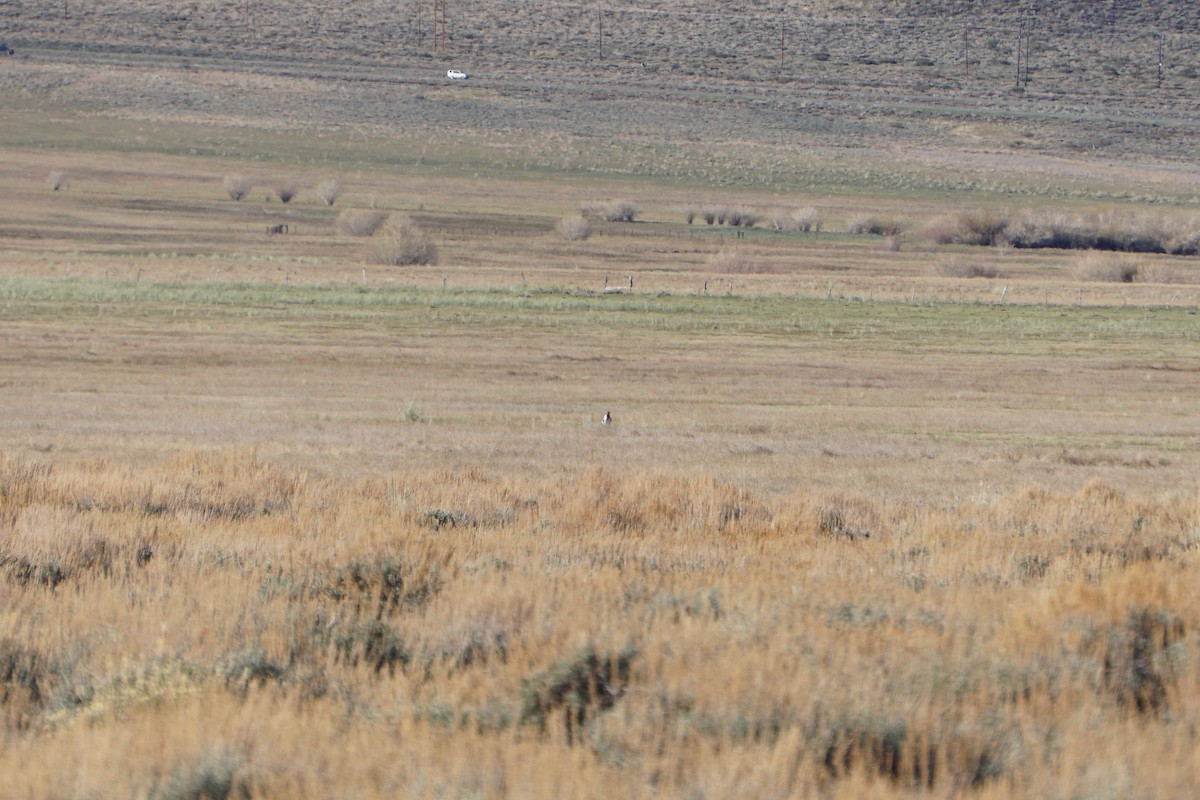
{"x":984,"y":226}
{"x":574,"y":229}
{"x":621,"y":211}
{"x":401,"y":242}
{"x":874,"y":225}
{"x":214,"y":775}
{"x":238,"y":186}
{"x":1186,"y":242}
{"x":806,"y":220}
{"x":329,"y":191}
{"x":285,"y":191}
{"x":588,"y":681}
{"x":741,"y":218}
{"x":940,"y":230}
{"x":359,"y":222}
{"x":375,"y":643}
{"x":1141,"y":660}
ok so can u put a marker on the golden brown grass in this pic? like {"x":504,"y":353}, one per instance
{"x":219,"y":619}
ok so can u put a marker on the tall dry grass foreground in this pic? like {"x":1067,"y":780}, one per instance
{"x":218,"y":627}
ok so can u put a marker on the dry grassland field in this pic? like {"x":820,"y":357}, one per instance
{"x":305,"y":349}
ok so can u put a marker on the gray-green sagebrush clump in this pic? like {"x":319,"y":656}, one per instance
{"x":588,"y":682}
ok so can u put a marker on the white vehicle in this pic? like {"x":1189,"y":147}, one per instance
{"x":456,"y":75}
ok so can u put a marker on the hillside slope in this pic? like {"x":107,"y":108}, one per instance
{"x":1109,"y":78}
{"x":1104,"y":45}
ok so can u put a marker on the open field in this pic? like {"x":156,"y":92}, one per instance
{"x":897,"y":500}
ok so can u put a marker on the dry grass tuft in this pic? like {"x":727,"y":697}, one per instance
{"x":735,"y":261}
{"x":1097,"y":266}
{"x":1166,"y":271}
{"x":954,"y":266}
{"x":891,"y":244}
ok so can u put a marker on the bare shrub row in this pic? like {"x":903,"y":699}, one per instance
{"x":804,"y":220}
{"x":733,"y":217}
{"x":1122,"y":231}
{"x":238,"y":186}
{"x":1097,"y":266}
{"x":613,"y":211}
{"x":875,"y":225}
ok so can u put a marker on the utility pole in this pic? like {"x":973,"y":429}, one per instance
{"x":1028,"y":52}
{"x":782,"y":32}
{"x":439,"y":25}
{"x":1020,"y":48}
{"x":1024,"y":43}
{"x":967,"y":52}
{"x":1160,"y":38}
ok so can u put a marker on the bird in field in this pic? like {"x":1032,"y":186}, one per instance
{"x":606,"y":419}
